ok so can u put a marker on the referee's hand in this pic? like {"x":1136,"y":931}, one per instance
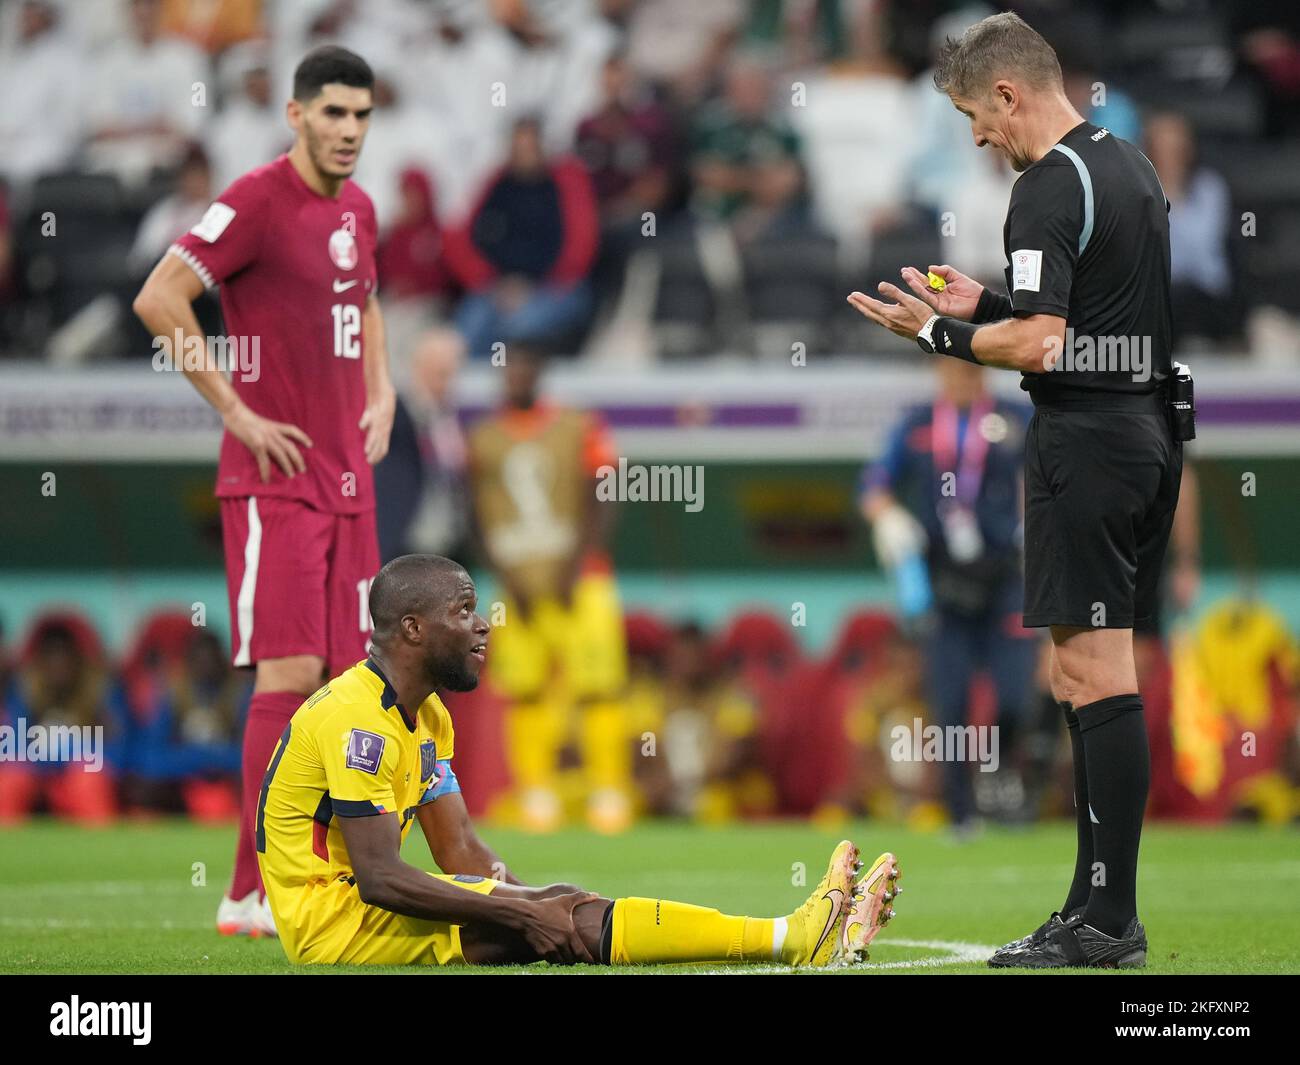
{"x":960,"y":295}
{"x":903,"y":318}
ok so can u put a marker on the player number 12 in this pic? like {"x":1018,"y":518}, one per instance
{"x":347,"y":330}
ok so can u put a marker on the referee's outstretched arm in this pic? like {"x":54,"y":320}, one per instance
{"x":1031,"y":344}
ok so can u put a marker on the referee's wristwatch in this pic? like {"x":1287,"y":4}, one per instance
{"x":923,"y":338}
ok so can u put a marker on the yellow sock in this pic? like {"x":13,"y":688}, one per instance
{"x":656,"y":930}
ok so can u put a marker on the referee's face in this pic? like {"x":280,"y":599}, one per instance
{"x":993,"y":121}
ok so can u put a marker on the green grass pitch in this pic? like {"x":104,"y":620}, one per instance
{"x":141,"y":898}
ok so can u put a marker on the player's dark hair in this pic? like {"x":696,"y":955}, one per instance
{"x":1000,"y":45}
{"x":410,"y":584}
{"x":330,"y":65}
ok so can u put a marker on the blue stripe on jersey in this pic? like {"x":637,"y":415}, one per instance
{"x":1085,"y":234}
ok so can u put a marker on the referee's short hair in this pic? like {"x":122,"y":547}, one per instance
{"x":1002,"y":45}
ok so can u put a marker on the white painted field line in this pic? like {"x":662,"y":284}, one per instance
{"x":102,"y":887}
{"x":90,"y":924}
{"x":959,"y":953}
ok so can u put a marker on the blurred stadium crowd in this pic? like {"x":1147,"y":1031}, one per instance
{"x":712,"y":726}
{"x":522,"y":152}
{"x":630,"y":180}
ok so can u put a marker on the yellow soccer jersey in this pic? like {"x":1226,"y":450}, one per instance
{"x":350,"y":751}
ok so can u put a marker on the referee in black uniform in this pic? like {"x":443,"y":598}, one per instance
{"x":1088,"y":323}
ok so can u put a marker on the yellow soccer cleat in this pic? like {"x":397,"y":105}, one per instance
{"x":871,"y":907}
{"x":814,"y":932}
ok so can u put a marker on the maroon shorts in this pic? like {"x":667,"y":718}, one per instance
{"x":298,"y":580}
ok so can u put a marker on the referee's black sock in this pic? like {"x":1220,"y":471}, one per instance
{"x":1081,"y":885}
{"x":1114,"y":736}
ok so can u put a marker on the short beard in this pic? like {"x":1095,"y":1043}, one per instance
{"x":319,"y":158}
{"x":451,"y":674}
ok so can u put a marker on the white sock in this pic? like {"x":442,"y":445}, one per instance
{"x":778,"y":937}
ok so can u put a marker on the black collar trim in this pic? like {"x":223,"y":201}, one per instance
{"x":388,"y":699}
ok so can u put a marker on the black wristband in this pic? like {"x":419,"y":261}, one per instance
{"x":952,"y":336}
{"x":992,"y":307}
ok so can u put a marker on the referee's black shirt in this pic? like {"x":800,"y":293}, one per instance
{"x":1087,"y":239}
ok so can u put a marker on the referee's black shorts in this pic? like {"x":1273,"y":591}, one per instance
{"x":1101,"y":486}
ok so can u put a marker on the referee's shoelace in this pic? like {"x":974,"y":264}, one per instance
{"x":1039,"y":934}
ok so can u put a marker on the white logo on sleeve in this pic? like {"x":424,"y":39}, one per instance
{"x":214,"y":222}
{"x":1026,"y":270}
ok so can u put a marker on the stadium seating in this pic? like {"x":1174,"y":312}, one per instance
{"x":791,"y":288}
{"x":95,"y":228}
{"x":156,"y":653}
{"x":686,"y":306}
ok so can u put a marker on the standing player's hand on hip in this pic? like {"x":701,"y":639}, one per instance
{"x":903,"y":318}
{"x":268,"y":441}
{"x":959,"y":296}
{"x":377,"y":421}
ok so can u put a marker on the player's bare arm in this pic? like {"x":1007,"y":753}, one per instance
{"x":381,"y":398}
{"x":454,"y":843}
{"x":165,"y":306}
{"x":384,"y":880}
{"x":456,"y":847}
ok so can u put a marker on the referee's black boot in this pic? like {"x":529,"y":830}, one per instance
{"x":1005,"y":957}
{"x":1070,"y":943}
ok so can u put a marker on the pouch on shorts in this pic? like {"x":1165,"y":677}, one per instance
{"x":1182,"y":403}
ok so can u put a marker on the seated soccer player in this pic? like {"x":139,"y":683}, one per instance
{"x":371,"y":751}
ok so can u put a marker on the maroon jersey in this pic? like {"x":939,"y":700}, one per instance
{"x":295,"y":270}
